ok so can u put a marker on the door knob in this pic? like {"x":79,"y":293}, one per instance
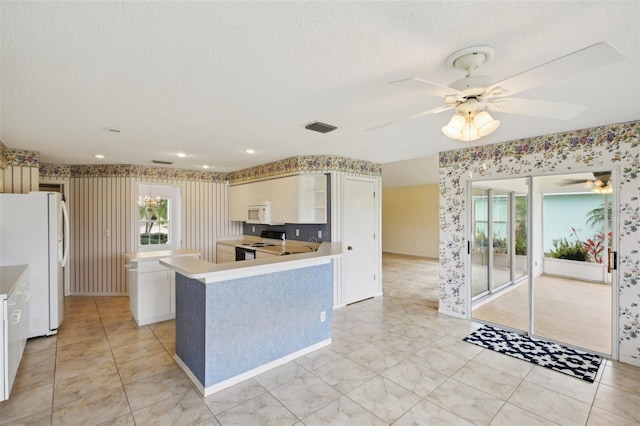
{"x":349,"y":248}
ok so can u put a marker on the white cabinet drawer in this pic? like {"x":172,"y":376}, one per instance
{"x":150,"y":266}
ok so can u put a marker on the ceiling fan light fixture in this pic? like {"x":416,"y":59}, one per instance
{"x":605,"y":189}
{"x":454,"y":128}
{"x":485,"y":123}
{"x":469,"y":132}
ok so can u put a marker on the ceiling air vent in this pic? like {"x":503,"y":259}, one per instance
{"x":161,"y":162}
{"x":320,"y":127}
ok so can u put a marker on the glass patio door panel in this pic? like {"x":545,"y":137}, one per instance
{"x":572,"y":299}
{"x":501,"y":238}
{"x":520,"y":243}
{"x":480,"y":243}
{"x":499,"y":221}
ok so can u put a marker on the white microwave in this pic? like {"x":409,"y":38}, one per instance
{"x":259,"y":213}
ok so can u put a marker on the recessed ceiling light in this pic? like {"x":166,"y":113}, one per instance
{"x":250,"y":151}
{"x":99,"y":155}
{"x":204,"y":166}
{"x":181,"y":154}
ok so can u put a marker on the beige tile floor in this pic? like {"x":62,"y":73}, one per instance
{"x":393,"y":360}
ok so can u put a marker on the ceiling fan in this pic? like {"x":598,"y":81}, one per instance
{"x":472,"y":95}
{"x":600,"y":184}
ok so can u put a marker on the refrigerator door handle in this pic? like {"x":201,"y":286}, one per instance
{"x":65,"y":216}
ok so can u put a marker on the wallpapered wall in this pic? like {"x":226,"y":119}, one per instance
{"x":18,"y":170}
{"x":615,"y":146}
{"x":101,"y":207}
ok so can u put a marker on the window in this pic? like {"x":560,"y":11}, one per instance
{"x":158,"y":217}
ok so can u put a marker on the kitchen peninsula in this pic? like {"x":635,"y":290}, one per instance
{"x":239,"y":319}
{"x":152,"y":290}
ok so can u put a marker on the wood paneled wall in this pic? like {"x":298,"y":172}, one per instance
{"x":19,"y":179}
{"x":103,"y":211}
{"x":100,"y":215}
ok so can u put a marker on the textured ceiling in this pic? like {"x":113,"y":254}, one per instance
{"x":214,"y":78}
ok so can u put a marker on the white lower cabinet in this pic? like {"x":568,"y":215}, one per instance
{"x":225,"y":253}
{"x":152,"y":293}
{"x":152,"y":287}
{"x":14,"y":328}
{"x":262,"y":255}
{"x":3,"y":351}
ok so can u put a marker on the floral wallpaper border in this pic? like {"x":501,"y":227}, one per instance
{"x":3,"y":156}
{"x":127,"y":170}
{"x":22,"y":158}
{"x":310,"y":163}
{"x":616,"y":145}
{"x":288,"y":166}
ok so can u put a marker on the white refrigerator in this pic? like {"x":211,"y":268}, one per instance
{"x":34,"y":231}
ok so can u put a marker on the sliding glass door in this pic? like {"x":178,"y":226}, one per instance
{"x":538,"y":256}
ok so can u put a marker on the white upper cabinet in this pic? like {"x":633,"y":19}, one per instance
{"x":238,"y":202}
{"x":259,"y":192}
{"x":284,"y":202}
{"x":300,"y":199}
{"x":312,"y":202}
{"x":294,"y":199}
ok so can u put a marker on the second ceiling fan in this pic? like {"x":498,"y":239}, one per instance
{"x":472,"y":95}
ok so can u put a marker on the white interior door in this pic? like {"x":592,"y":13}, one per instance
{"x":360,"y":242}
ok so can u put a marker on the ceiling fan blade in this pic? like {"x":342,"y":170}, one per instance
{"x":557,"y":110}
{"x":411,"y":117}
{"x":568,"y":182}
{"x":589,"y":58}
{"x":435,"y":89}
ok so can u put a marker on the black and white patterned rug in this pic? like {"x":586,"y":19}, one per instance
{"x":576,"y":363}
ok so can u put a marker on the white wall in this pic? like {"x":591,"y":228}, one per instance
{"x":410,"y":220}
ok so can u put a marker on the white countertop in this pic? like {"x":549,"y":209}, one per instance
{"x":160,"y":254}
{"x":208,"y":272}
{"x":9,"y":276}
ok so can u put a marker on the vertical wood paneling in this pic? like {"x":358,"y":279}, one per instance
{"x":19,"y":179}
{"x":34,"y":179}
{"x":99,"y":211}
{"x":16,"y":180}
{"x":103,"y":222}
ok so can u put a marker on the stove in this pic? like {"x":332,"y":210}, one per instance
{"x":244,"y":251}
{"x":257,"y":244}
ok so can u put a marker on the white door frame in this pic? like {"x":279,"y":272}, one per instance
{"x":615,"y":229}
